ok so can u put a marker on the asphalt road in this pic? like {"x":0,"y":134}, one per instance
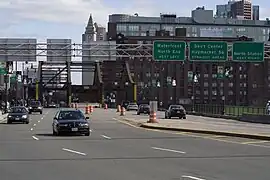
{"x":116,"y":151}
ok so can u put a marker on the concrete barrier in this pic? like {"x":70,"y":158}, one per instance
{"x":254,"y":118}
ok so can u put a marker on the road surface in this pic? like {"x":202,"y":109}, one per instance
{"x":117,"y":151}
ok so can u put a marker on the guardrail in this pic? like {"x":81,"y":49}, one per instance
{"x":234,"y":111}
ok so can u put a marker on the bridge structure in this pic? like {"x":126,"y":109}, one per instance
{"x":61,"y":78}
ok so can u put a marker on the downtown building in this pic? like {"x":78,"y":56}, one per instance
{"x":246,"y":85}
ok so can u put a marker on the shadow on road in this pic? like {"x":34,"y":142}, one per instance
{"x":62,"y":135}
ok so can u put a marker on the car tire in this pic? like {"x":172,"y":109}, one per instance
{"x":138,"y":113}
{"x":27,"y":122}
{"x":30,"y":112}
{"x":87,"y":134}
{"x":184,"y":117}
{"x":169,"y":117}
{"x":9,"y":122}
{"x":54,"y":133}
{"x":40,"y":112}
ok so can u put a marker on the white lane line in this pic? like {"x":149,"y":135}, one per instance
{"x":254,"y":142}
{"x":35,"y":138}
{"x":106,"y":137}
{"x":34,"y":125}
{"x":169,"y":150}
{"x":192,"y":177}
{"x":31,"y":129}
{"x":42,"y":118}
{"x":38,"y":121}
{"x":72,"y":151}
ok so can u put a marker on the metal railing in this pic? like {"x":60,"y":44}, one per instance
{"x":235,"y":111}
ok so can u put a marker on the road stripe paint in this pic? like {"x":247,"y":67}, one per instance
{"x":169,"y":150}
{"x":31,"y":129}
{"x":34,"y":125}
{"x":72,"y":151}
{"x":42,"y":118}
{"x":254,"y":142}
{"x":38,"y":121}
{"x":192,"y":177}
{"x":106,"y":137}
{"x":35,"y":138}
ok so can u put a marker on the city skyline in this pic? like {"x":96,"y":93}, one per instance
{"x":66,"y":19}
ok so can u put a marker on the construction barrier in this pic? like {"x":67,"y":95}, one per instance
{"x":87,"y":109}
{"x":152,"y":117}
{"x":122,"y":111}
{"x":91,"y":108}
{"x":118,"y":108}
{"x":105,"y":106}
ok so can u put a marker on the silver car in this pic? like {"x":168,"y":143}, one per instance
{"x":132,"y":107}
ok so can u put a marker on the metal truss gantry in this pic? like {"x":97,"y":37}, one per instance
{"x":101,"y":51}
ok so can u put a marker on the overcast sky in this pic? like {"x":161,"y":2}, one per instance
{"x":43,"y":19}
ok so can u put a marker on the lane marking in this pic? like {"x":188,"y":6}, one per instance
{"x":31,"y":129}
{"x":42,"y":118}
{"x":169,"y":150}
{"x":35,"y":138}
{"x":193,"y":177}
{"x":106,"y":137}
{"x":34,"y":125}
{"x":38,"y":121}
{"x":72,"y":151}
{"x":254,"y":142}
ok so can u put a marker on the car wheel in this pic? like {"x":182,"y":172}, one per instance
{"x":30,"y":112}
{"x":138,"y":113}
{"x":87,"y":134}
{"x":41,"y":112}
{"x":169,"y":117}
{"x":184,"y":117}
{"x":9,"y":122}
{"x":27,"y":122}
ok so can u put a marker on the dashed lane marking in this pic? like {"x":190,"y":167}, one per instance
{"x":35,"y":138}
{"x":193,"y":177}
{"x":106,"y":137}
{"x":75,"y":152}
{"x":169,"y":150}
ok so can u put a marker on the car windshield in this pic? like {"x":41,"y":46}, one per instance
{"x":18,"y":110}
{"x":70,"y":115}
{"x":35,"y":103}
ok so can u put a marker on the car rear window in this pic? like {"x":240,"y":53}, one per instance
{"x":177,"y":107}
{"x":18,"y":110}
{"x":35,"y":103}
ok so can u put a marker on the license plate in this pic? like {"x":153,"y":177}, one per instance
{"x":74,"y":129}
{"x":17,"y":119}
{"x":178,"y":111}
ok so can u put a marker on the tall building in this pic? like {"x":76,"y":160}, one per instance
{"x":242,"y":9}
{"x":88,"y":37}
{"x":244,"y":87}
{"x":224,"y":10}
{"x":100,"y":32}
{"x":255,"y":12}
{"x":200,"y":24}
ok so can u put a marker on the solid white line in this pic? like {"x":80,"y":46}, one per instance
{"x":106,"y":137}
{"x":72,"y":151}
{"x":192,"y":177}
{"x":35,"y":138}
{"x":31,"y":129}
{"x":169,"y":150}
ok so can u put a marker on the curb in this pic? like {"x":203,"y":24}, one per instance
{"x":232,"y":134}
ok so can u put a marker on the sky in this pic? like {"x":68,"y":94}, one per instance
{"x":67,"y":18}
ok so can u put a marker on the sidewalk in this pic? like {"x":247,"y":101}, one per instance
{"x":197,"y":124}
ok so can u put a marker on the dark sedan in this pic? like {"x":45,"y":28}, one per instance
{"x":143,"y":108}
{"x":70,"y":121}
{"x":175,"y":111}
{"x":18,"y":114}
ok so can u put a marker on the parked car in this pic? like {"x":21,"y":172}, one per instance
{"x":18,"y":114}
{"x":132,"y":107}
{"x":175,"y":111}
{"x":125,"y":104}
{"x":143,"y":108}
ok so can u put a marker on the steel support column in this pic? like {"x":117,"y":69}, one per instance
{"x":68,"y":84}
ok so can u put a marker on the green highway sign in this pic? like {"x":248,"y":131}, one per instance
{"x":208,"y":51}
{"x":248,"y":52}
{"x":169,"y":50}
